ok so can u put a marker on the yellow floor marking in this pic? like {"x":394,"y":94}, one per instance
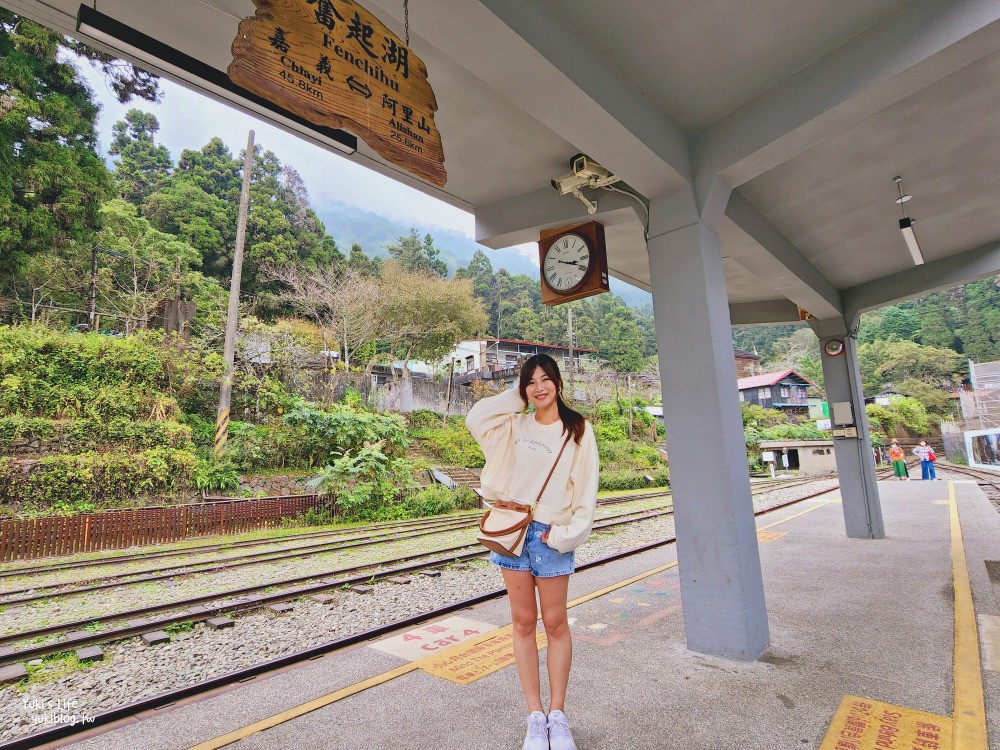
{"x":326,"y":700}
{"x":795,"y":515}
{"x":970,"y":705}
{"x":865,"y":724}
{"x":769,"y":536}
{"x":478,"y":661}
{"x":300,"y":710}
{"x":989,"y":632}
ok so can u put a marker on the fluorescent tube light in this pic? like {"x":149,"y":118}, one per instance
{"x":214,"y":83}
{"x":906,"y":227}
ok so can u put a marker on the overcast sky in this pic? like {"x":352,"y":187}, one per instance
{"x":190,"y":120}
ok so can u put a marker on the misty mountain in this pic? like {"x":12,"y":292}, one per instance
{"x":348,"y":224}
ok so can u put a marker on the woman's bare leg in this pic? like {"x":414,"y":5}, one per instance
{"x":524,"y":616}
{"x":552,"y":594}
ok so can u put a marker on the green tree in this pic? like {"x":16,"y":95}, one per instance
{"x":425,"y":315}
{"x":52,"y":180}
{"x":361,"y":263}
{"x":980,"y":333}
{"x":142,"y":163}
{"x":416,"y":256}
{"x":137,"y":269}
{"x":895,"y":363}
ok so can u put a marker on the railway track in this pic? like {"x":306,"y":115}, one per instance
{"x":172,"y":696}
{"x":244,"y":598}
{"x":254,"y":597}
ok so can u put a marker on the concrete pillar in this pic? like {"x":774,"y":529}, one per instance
{"x":722,"y":591}
{"x":855,"y":459}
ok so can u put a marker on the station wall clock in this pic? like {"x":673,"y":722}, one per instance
{"x":574,"y":262}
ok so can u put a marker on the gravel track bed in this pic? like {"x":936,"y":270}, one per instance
{"x":87,"y":605}
{"x":131,"y":671}
{"x":113,"y":567}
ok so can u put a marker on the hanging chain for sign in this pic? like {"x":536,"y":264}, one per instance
{"x":406,"y":21}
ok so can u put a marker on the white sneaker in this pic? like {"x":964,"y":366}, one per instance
{"x":559,"y":736}
{"x":537,"y":737}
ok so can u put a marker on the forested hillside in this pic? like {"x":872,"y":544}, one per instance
{"x":158,"y":226}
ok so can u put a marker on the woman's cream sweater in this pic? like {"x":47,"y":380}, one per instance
{"x":519,"y":454}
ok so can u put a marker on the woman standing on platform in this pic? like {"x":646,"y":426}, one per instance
{"x":927,"y":458}
{"x":521,"y":451}
{"x":898,"y":459}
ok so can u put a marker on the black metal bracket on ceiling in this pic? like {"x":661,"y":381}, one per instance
{"x":209,"y":80}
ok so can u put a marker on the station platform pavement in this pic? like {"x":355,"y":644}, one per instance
{"x":887,"y":621}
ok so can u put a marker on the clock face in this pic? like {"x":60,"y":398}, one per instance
{"x":567,"y":262}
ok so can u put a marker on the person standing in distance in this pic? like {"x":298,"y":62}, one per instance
{"x":898,"y":459}
{"x":926,"y":455}
{"x":520,"y":450}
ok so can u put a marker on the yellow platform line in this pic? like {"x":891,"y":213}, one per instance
{"x":796,"y":515}
{"x":293,"y":713}
{"x":969,"y":720}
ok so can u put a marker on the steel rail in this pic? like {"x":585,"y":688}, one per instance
{"x":241,"y":605}
{"x":163,"y":700}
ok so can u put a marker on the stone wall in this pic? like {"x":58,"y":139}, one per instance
{"x":276,"y":484}
{"x":410,"y":394}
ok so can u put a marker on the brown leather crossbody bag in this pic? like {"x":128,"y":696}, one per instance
{"x":505,"y":522}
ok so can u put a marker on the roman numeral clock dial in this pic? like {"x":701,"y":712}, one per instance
{"x":573,"y":262}
{"x":567,"y":262}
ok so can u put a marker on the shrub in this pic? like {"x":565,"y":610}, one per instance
{"x":451,"y":442}
{"x":432,"y":501}
{"x":212,"y":475}
{"x":70,"y":436}
{"x":617,"y":480}
{"x":340,"y":429}
{"x":96,"y":481}
{"x":367,"y":484}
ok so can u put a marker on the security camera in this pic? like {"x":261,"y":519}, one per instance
{"x":583,"y":166}
{"x":586,"y":173}
{"x":569,"y":183}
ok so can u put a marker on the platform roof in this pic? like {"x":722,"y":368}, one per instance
{"x":806,"y":108}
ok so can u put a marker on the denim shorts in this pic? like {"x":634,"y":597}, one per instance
{"x":537,"y":557}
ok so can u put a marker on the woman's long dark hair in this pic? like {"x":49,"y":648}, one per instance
{"x":573,"y":421}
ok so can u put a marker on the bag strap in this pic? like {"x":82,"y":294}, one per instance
{"x":551,"y":471}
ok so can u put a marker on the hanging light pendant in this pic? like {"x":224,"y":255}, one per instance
{"x":906,"y":225}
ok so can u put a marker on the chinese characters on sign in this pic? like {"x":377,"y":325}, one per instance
{"x":864,"y":724}
{"x":430,"y":639}
{"x":464,"y":664}
{"x":336,"y":65}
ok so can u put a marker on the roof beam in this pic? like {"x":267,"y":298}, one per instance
{"x":767,"y":312}
{"x":919,"y":280}
{"x":774,"y":258}
{"x":516,"y":220}
{"x":920,"y":44}
{"x":527,"y":53}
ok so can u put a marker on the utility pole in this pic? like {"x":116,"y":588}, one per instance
{"x":92,"y":302}
{"x":229,"y":351}
{"x":447,"y":400}
{"x":569,"y":372}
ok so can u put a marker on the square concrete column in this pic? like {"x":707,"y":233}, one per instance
{"x":855,"y":458}
{"x":722,"y":591}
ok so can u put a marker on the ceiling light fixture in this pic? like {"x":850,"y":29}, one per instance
{"x":164,"y":60}
{"x":906,"y":224}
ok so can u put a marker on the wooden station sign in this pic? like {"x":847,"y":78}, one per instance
{"x":335,"y":64}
